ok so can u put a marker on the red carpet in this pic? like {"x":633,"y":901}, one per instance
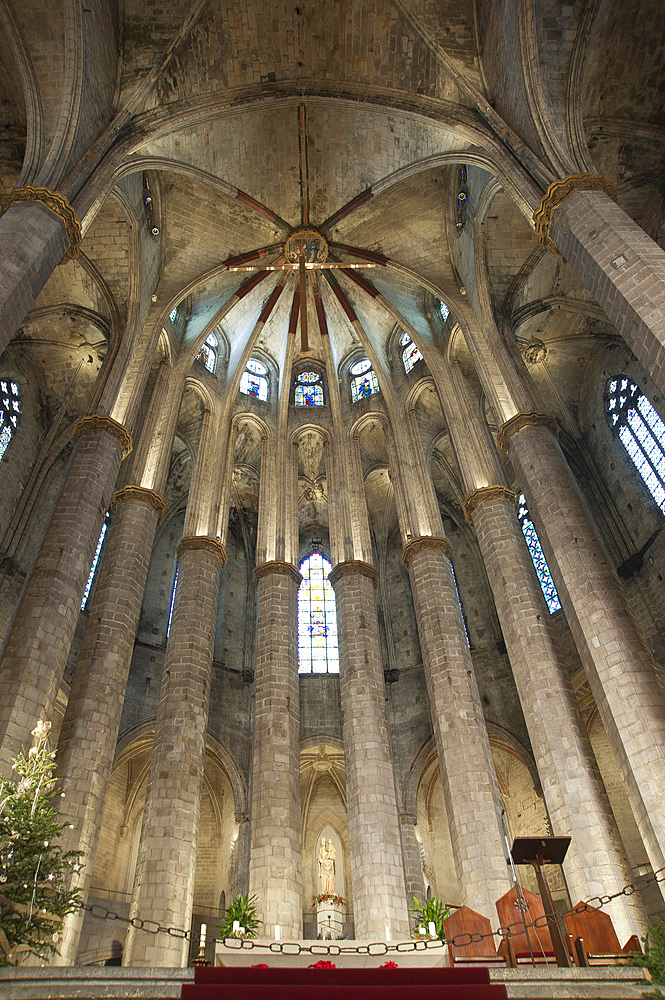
{"x":242,"y":983}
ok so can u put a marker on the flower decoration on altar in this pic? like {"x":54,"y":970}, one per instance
{"x":389,"y":965}
{"x":328,"y":897}
{"x":322,"y":965}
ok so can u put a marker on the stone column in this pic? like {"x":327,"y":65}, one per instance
{"x":377,"y":866}
{"x":470,"y":786}
{"x":90,"y":728}
{"x":275,"y":866}
{"x":39,"y":638}
{"x":621,"y":266}
{"x":620,"y":672}
{"x":33,"y":238}
{"x":164,"y":883}
{"x":576,"y":801}
{"x":413,"y":867}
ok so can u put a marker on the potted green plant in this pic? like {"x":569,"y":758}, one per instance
{"x":242,"y":913}
{"x":653,"y":959}
{"x":432,"y":911}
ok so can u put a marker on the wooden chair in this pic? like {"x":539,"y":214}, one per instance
{"x":515,"y":947}
{"x":595,"y":940}
{"x":464,"y":920}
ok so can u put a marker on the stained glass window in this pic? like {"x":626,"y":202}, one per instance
{"x":640,"y":430}
{"x":175,"y":584}
{"x":95,"y":564}
{"x":410,"y":354}
{"x":10,"y":412}
{"x":538,"y":557}
{"x":318,"y":651}
{"x":459,"y":601}
{"x":309,"y":389}
{"x":173,"y":314}
{"x":208,"y":353}
{"x":444,"y":310}
{"x":254,"y":381}
{"x":363,"y":380}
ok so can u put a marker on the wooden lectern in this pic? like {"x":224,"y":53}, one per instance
{"x":539,"y":851}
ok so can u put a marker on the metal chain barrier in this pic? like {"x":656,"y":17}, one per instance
{"x":378,"y":948}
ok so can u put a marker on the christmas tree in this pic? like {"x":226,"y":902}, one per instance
{"x":35,"y":871}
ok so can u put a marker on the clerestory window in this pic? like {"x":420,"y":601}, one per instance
{"x":318,"y":650}
{"x":254,"y":381}
{"x":410,"y":354}
{"x":10,"y":412}
{"x":208,"y":353}
{"x":95,"y":565}
{"x":363,"y":380}
{"x":538,"y":557}
{"x":641,"y":431}
{"x":309,"y":389}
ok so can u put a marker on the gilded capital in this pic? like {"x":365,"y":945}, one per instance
{"x":485,"y":494}
{"x":557,"y":193}
{"x":203,"y":543}
{"x":56,"y":203}
{"x":521,"y":420}
{"x":139,"y":494}
{"x":278,"y":567}
{"x":354,"y":567}
{"x":426,"y":542}
{"x":97,"y":422}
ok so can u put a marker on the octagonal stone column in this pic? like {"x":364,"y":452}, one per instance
{"x":377,"y":867}
{"x":470,"y":787}
{"x":275,"y":866}
{"x":37,"y":644}
{"x":164,"y":882}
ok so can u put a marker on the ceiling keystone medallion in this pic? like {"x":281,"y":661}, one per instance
{"x":306,"y":243}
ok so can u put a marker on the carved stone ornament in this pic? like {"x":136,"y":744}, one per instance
{"x":56,"y":203}
{"x":96,"y":422}
{"x":202,"y":543}
{"x":354,"y":567}
{"x":535,"y":352}
{"x":521,"y":420}
{"x":308,"y":243}
{"x":426,"y":542}
{"x":484,"y":495}
{"x":281,"y":568}
{"x":557,"y":193}
{"x":141,"y":494}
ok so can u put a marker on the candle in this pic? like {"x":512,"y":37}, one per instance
{"x":421,"y":929}
{"x":276,"y":932}
{"x":387,"y":933}
{"x":202,"y":938}
{"x":241,"y":930}
{"x":432,"y":929}
{"x":236,"y":926}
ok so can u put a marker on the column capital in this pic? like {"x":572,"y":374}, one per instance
{"x":484,"y":495}
{"x":97,"y":422}
{"x":426,"y":542}
{"x":354,"y":567}
{"x":280,"y":568}
{"x":56,"y":203}
{"x":557,"y":193}
{"x":201,"y":542}
{"x":141,"y":494}
{"x":531,"y":418}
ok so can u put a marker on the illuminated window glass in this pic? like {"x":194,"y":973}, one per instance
{"x":208,"y":353}
{"x":363,"y":380}
{"x":95,"y":564}
{"x":640,"y":430}
{"x":444,"y":310}
{"x":10,"y":412}
{"x":254,"y":381}
{"x":459,"y":601}
{"x":173,"y":314}
{"x":318,"y":651}
{"x":309,"y":389}
{"x":410,"y":354}
{"x":538,"y":557}
{"x":175,"y":584}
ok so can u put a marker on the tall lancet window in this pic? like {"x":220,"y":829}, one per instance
{"x":85,"y":600}
{"x":254,"y":380}
{"x":640,"y":430}
{"x":10,"y":412}
{"x":538,"y":556}
{"x":410,"y":354}
{"x":318,"y":650}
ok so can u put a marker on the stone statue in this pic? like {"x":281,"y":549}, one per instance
{"x":326,"y":864}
